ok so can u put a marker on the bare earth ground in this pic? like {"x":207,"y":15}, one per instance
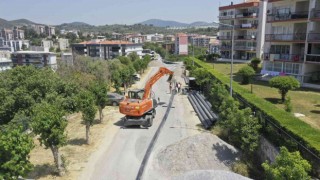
{"x":76,"y":152}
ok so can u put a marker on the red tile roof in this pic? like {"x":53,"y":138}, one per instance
{"x":107,"y":42}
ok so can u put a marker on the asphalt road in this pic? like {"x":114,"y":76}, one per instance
{"x":123,"y":159}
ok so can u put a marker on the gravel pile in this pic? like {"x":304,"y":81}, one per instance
{"x":210,"y":174}
{"x":200,"y":152}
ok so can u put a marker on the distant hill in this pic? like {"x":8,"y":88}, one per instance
{"x":74,"y":25}
{"x":19,"y":22}
{"x":165,"y":23}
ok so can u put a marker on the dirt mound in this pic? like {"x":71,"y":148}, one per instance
{"x":200,"y":152}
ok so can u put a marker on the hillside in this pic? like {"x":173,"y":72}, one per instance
{"x":165,"y":23}
{"x":19,"y":22}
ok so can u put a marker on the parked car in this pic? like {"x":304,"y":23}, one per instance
{"x":136,"y":77}
{"x":114,"y":99}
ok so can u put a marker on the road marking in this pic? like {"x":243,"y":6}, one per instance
{"x":154,"y":140}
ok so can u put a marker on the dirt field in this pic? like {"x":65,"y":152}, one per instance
{"x":76,"y":152}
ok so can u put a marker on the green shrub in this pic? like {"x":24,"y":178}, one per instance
{"x":255,"y":63}
{"x":240,"y":168}
{"x":246,"y":72}
{"x":287,"y":166}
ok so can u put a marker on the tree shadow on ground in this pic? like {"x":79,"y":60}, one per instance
{"x":77,"y":141}
{"x":95,"y":121}
{"x":315,"y":111}
{"x":42,"y":171}
{"x":226,"y":155}
{"x":274,"y":100}
{"x":161,"y":103}
{"x":317,"y":105}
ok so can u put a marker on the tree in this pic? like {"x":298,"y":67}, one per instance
{"x":203,"y":78}
{"x":255,"y":63}
{"x":72,"y":37}
{"x":100,"y":90}
{"x":242,"y":127}
{"x":88,"y":109}
{"x":51,"y":49}
{"x":15,"y":147}
{"x":284,"y":84}
{"x":217,"y":95}
{"x":49,"y":123}
{"x":133,"y":56}
{"x":24,"y":47}
{"x":247,"y":72}
{"x":58,"y":50}
{"x":288,"y":166}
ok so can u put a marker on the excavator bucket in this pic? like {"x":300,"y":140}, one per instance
{"x":170,"y":77}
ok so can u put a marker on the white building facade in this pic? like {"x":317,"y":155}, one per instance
{"x":292,"y":40}
{"x":248,"y":21}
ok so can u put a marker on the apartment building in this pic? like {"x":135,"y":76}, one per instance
{"x":292,"y":40}
{"x":202,"y":41}
{"x":46,"y":44}
{"x":106,"y":49}
{"x":40,"y":29}
{"x":50,"y":30}
{"x":247,"y":21}
{"x":168,"y":38}
{"x":18,"y":33}
{"x":35,"y":58}
{"x":181,"y":44}
{"x":7,"y":34}
{"x":63,"y":44}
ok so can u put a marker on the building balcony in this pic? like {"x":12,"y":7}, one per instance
{"x":300,"y":37}
{"x":221,"y":27}
{"x":245,"y":37}
{"x":247,"y":15}
{"x":291,"y":16}
{"x":224,"y":37}
{"x":283,"y":57}
{"x":313,"y":58}
{"x":245,"y":48}
{"x":225,"y":48}
{"x":314,"y":37}
{"x":226,"y":17}
{"x":315,"y":15}
{"x":246,"y":26}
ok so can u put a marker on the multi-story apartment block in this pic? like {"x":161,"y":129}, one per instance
{"x":247,"y":21}
{"x":7,"y":34}
{"x":18,"y":33}
{"x":40,"y":29}
{"x":50,"y":30}
{"x":106,"y":49}
{"x":181,"y":44}
{"x":63,"y":44}
{"x":36,"y":58}
{"x":202,"y":41}
{"x":292,"y":40}
{"x":168,"y":38}
{"x":46,"y":44}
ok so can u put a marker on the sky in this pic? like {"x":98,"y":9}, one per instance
{"x":101,"y":12}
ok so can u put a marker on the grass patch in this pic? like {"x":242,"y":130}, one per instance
{"x":304,"y":101}
{"x":299,"y":129}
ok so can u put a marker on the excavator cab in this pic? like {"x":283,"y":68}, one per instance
{"x":136,"y":94}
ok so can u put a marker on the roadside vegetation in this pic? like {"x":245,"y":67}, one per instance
{"x":38,"y":103}
{"x":242,"y":126}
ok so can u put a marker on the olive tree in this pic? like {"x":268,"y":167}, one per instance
{"x":49,"y":123}
{"x":290,"y":166}
{"x":246,"y":72}
{"x":15,"y":147}
{"x":284,"y":84}
{"x":88,"y":109}
{"x":100,"y":90}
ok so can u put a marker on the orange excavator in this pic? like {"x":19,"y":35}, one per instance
{"x":139,"y":106}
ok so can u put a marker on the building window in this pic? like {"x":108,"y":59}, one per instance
{"x":277,"y":67}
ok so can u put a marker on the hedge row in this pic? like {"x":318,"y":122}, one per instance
{"x":301,"y":131}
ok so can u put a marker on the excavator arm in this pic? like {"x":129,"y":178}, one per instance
{"x":161,"y":72}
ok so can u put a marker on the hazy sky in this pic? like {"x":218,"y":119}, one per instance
{"x":99,"y":12}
